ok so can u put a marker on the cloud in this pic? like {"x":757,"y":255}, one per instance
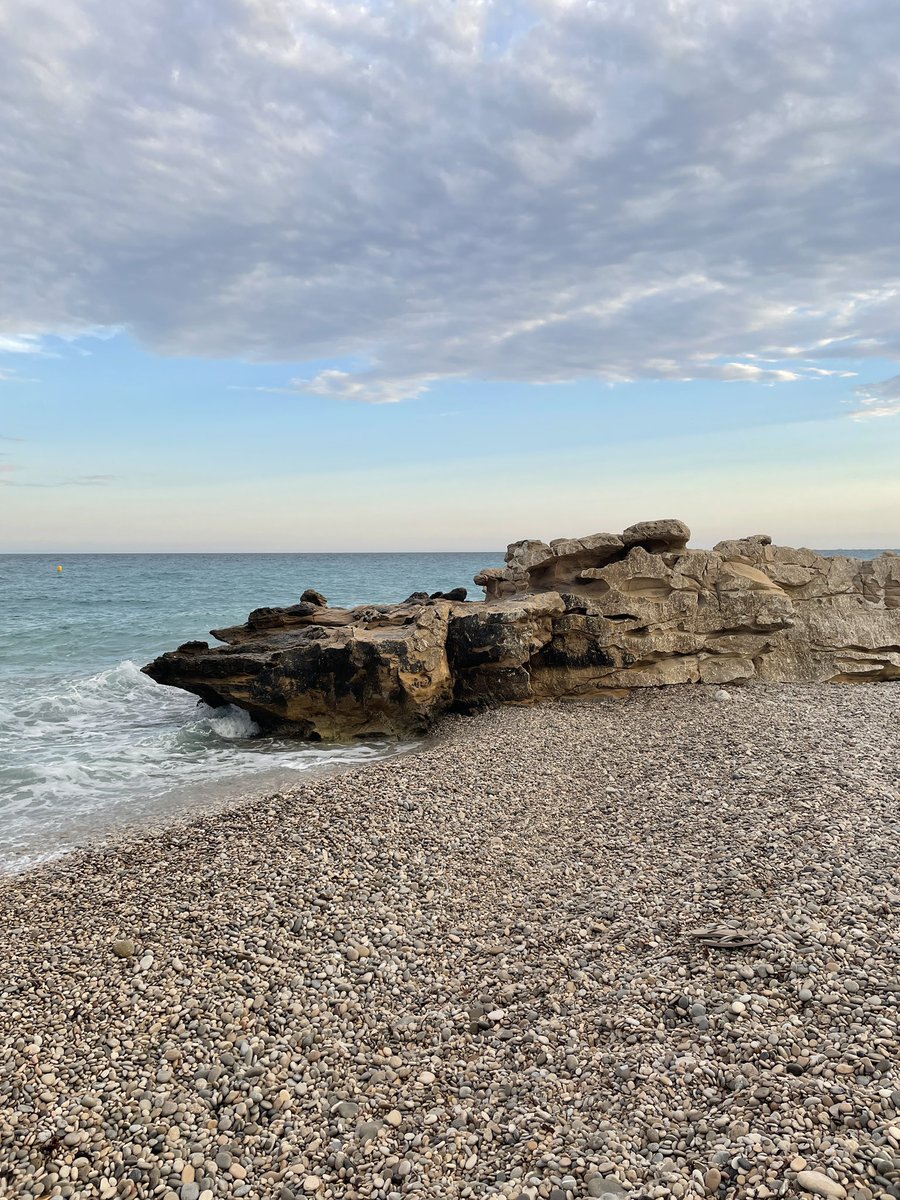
{"x":373,"y":386}
{"x":21,"y":344}
{"x":833,"y":374}
{"x":535,"y":191}
{"x":7,"y":438}
{"x":77,"y":481}
{"x":8,"y":376}
{"x":878,"y":400}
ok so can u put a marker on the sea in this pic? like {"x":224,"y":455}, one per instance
{"x":90,"y":747}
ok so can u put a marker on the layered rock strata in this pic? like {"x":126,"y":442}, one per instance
{"x":574,"y":618}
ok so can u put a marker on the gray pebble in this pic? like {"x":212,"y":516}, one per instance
{"x":605,"y":836}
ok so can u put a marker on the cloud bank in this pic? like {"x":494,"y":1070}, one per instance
{"x":76,"y":481}
{"x":522,"y":191}
{"x":878,"y":400}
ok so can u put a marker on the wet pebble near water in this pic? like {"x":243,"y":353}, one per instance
{"x":639,"y":948}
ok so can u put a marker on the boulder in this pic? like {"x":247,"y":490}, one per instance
{"x":574,"y":618}
{"x":502,"y":581}
{"x":366,"y":678}
{"x":657,"y":535}
{"x":741,"y":546}
{"x":527,"y":554}
{"x":491,"y":646}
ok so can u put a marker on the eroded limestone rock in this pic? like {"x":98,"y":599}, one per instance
{"x":657,"y":535}
{"x":384,"y":671}
{"x":573,"y":618}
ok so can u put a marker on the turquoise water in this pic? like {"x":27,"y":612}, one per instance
{"x":88,"y":744}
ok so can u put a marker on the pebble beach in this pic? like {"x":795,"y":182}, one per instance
{"x":644,"y":947}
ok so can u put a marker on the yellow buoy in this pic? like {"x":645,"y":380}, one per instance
{"x":59,"y":570}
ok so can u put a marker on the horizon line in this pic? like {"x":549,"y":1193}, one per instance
{"x":327,"y":553}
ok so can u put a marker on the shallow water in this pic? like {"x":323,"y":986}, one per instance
{"x":88,"y":744}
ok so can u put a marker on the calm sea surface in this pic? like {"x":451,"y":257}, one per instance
{"x":88,"y":744}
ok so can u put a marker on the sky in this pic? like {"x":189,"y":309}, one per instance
{"x":386,"y":275}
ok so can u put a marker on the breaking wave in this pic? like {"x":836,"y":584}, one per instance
{"x":81,"y":756}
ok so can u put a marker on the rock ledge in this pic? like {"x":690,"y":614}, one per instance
{"x":574,"y":618}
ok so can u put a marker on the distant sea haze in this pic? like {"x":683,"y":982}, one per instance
{"x":857,"y":553}
{"x":88,"y":744}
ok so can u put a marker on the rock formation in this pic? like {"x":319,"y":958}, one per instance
{"x":574,"y":618}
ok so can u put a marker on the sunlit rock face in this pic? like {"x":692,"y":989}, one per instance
{"x":574,"y":618}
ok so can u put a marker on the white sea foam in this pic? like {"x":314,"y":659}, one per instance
{"x":80,"y":756}
{"x":230,"y":722}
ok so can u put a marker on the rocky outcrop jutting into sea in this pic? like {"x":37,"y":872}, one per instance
{"x":574,"y":618}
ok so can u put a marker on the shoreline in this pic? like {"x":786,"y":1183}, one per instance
{"x":204,"y":802}
{"x":217,"y":797}
{"x":473,"y":969}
